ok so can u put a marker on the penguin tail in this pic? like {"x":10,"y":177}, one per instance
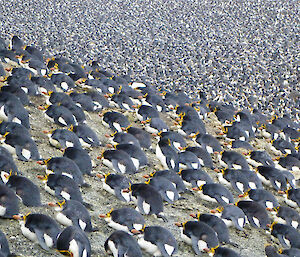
{"x":13,"y":255}
{"x":87,"y":205}
{"x":233,"y":244}
{"x":162,"y":217}
{"x":95,"y":229}
{"x":187,"y":191}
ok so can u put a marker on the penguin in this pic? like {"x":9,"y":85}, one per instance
{"x":271,"y":251}
{"x":264,"y":197}
{"x":190,"y":127}
{"x":145,"y":112}
{"x":155,"y":101}
{"x":204,"y":157}
{"x":254,"y":181}
{"x":138,"y":157}
{"x":195,"y":177}
{"x":98,"y":100}
{"x":7,"y":166}
{"x":25,"y":189}
{"x":234,"y":132}
{"x":258,"y":158}
{"x":225,"y":252}
{"x":287,"y":215}
{"x":16,"y":44}
{"x":176,"y":139}
{"x":148,"y":200}
{"x":63,"y":187}
{"x":84,"y":101}
{"x":288,"y":162}
{"x":11,"y":109}
{"x":240,"y":144}
{"x":62,"y":81}
{"x":167,"y":155}
{"x":200,"y":235}
{"x":39,"y":228}
{"x":210,"y":143}
{"x":125,"y":219}
{"x":18,"y":92}
{"x":4,"y":246}
{"x":122,"y":101}
{"x":38,"y":67}
{"x":283,"y":146}
{"x":188,"y":160}
{"x":217,"y":224}
{"x":155,"y":125}
{"x":21,"y":146}
{"x":9,"y":202}
{"x":13,"y":127}
{"x":59,"y":98}
{"x":123,"y":138}
{"x":158,"y":241}
{"x":233,"y":160}
{"x":269,"y":131}
{"x":73,"y":213}
{"x":171,"y":176}
{"x":119,"y":161}
{"x":165,"y":187}
{"x":235,"y":178}
{"x":74,"y":242}
{"x":256,"y":214}
{"x":288,"y":236}
{"x":59,"y":115}
{"x":63,"y":166}
{"x":81,"y":158}
{"x":272,"y":177}
{"x":141,"y":135}
{"x":87,"y":137}
{"x":115,"y":121}
{"x":232,"y":216}
{"x":292,"y":197}
{"x":215,"y":193}
{"x":120,"y":243}
{"x":33,"y":51}
{"x":7,"y":56}
{"x":63,"y":138}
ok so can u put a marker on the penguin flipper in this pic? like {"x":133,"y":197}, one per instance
{"x":282,"y":241}
{"x":19,"y":154}
{"x":41,"y":239}
{"x":195,"y":245}
{"x":162,"y":249}
{"x":236,"y":224}
{"x":272,"y":181}
{"x":140,"y":201}
{"x":58,"y":193}
{"x":119,"y":195}
{"x":235,"y":188}
{"x":116,"y":166}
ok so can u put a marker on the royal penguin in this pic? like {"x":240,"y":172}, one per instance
{"x":217,"y":224}
{"x":167,"y":155}
{"x":176,"y":139}
{"x":115,"y":121}
{"x":63,"y":166}
{"x":60,"y":115}
{"x":120,"y":243}
{"x":195,"y":177}
{"x":256,"y":213}
{"x":122,"y":101}
{"x":254,"y":180}
{"x":145,"y":112}
{"x":63,"y":138}
{"x":232,"y":216}
{"x":4,"y":246}
{"x":73,"y":242}
{"x":62,"y":81}
{"x":288,"y":162}
{"x":238,"y":181}
{"x":114,"y":184}
{"x":264,"y":197}
{"x":137,"y":155}
{"x":165,"y":187}
{"x":233,"y":160}
{"x":258,"y":158}
{"x":292,"y":252}
{"x":240,"y":144}
{"x":200,"y":235}
{"x":73,"y":213}
{"x":148,"y":200}
{"x":271,"y":176}
{"x":204,"y":157}
{"x":283,"y":146}
{"x":292,"y":197}
{"x":271,"y":251}
{"x":81,"y":158}
{"x":123,"y":138}
{"x":288,"y":236}
{"x":287,"y":215}
{"x":9,"y":202}
{"x":158,"y":241}
{"x":39,"y":228}
{"x":125,"y":219}
{"x":84,"y":101}
{"x":210,"y":143}
{"x":141,"y":135}
{"x":87,"y":137}
{"x":119,"y":161}
{"x":13,"y":127}
{"x":21,"y":146}
{"x":225,"y":252}
{"x":173,"y":177}
{"x":28,"y":192}
{"x":214,"y":192}
{"x":155,"y":126}
{"x":188,"y":160}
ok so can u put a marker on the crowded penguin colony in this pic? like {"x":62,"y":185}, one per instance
{"x":175,"y":174}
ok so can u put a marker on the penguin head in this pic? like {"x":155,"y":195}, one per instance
{"x":2,"y":139}
{"x":21,"y":218}
{"x":148,"y":181}
{"x":60,"y":205}
{"x":66,"y":252}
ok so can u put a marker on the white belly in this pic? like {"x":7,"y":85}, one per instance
{"x":62,"y":219}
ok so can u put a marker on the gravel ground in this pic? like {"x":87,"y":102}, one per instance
{"x":203,"y":45}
